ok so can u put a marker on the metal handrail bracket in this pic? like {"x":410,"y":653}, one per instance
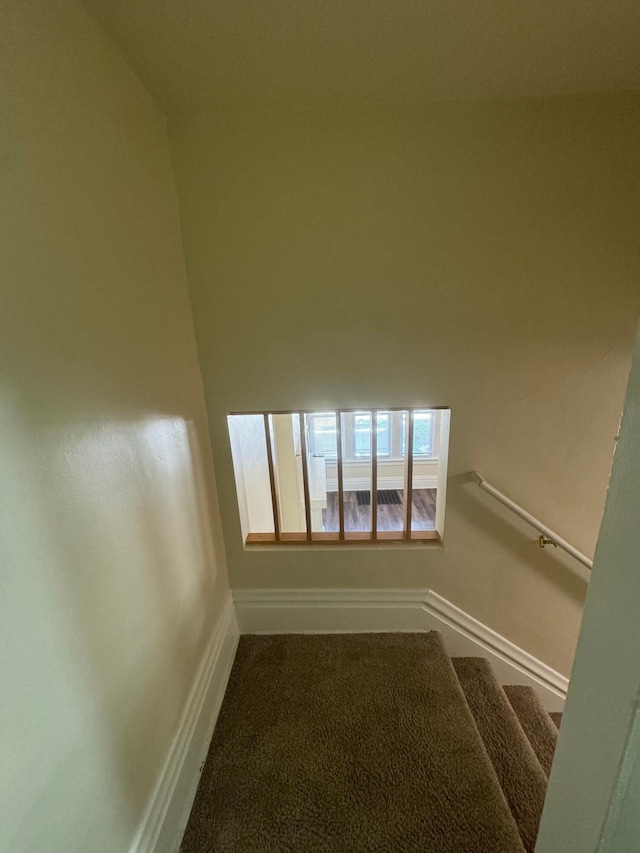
{"x":547,"y":535}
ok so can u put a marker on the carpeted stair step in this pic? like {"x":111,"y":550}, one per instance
{"x":536,"y":722}
{"x":556,"y":716}
{"x":347,"y":742}
{"x":522,"y":778}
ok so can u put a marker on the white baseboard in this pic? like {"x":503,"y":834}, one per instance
{"x":165,"y":819}
{"x":313,"y":611}
{"x":260,"y":611}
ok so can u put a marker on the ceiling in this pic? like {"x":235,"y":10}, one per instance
{"x":196,"y":55}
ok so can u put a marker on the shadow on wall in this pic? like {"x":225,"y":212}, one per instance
{"x":515,"y":537}
{"x":112,"y":571}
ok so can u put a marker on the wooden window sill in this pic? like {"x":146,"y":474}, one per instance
{"x":350,"y":538}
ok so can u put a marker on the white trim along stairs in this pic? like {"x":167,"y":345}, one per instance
{"x":326,"y":611}
{"x":165,"y":818}
{"x":331,"y":611}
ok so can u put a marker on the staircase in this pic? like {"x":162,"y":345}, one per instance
{"x":519,"y":737}
{"x":371,"y":742}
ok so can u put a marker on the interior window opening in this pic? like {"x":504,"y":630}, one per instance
{"x":342,"y":476}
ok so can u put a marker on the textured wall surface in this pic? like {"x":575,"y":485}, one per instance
{"x":112,"y":572}
{"x":480,"y":256}
{"x":592,"y":802}
{"x":350,"y":51}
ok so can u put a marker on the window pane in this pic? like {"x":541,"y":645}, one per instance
{"x":357,"y":478}
{"x":362,"y":434}
{"x":322,"y":434}
{"x":403,"y":434}
{"x":391,"y":490}
{"x":383,"y":420}
{"x":423,"y":434}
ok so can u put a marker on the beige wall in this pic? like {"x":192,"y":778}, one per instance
{"x":111,"y":569}
{"x":482,"y":256}
{"x":592,"y":801}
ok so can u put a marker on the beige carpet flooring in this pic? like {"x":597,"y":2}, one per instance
{"x":556,"y":716}
{"x":538,"y":726}
{"x":347,"y":743}
{"x":522,"y":778}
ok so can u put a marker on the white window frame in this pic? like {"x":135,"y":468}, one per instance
{"x":395,"y":454}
